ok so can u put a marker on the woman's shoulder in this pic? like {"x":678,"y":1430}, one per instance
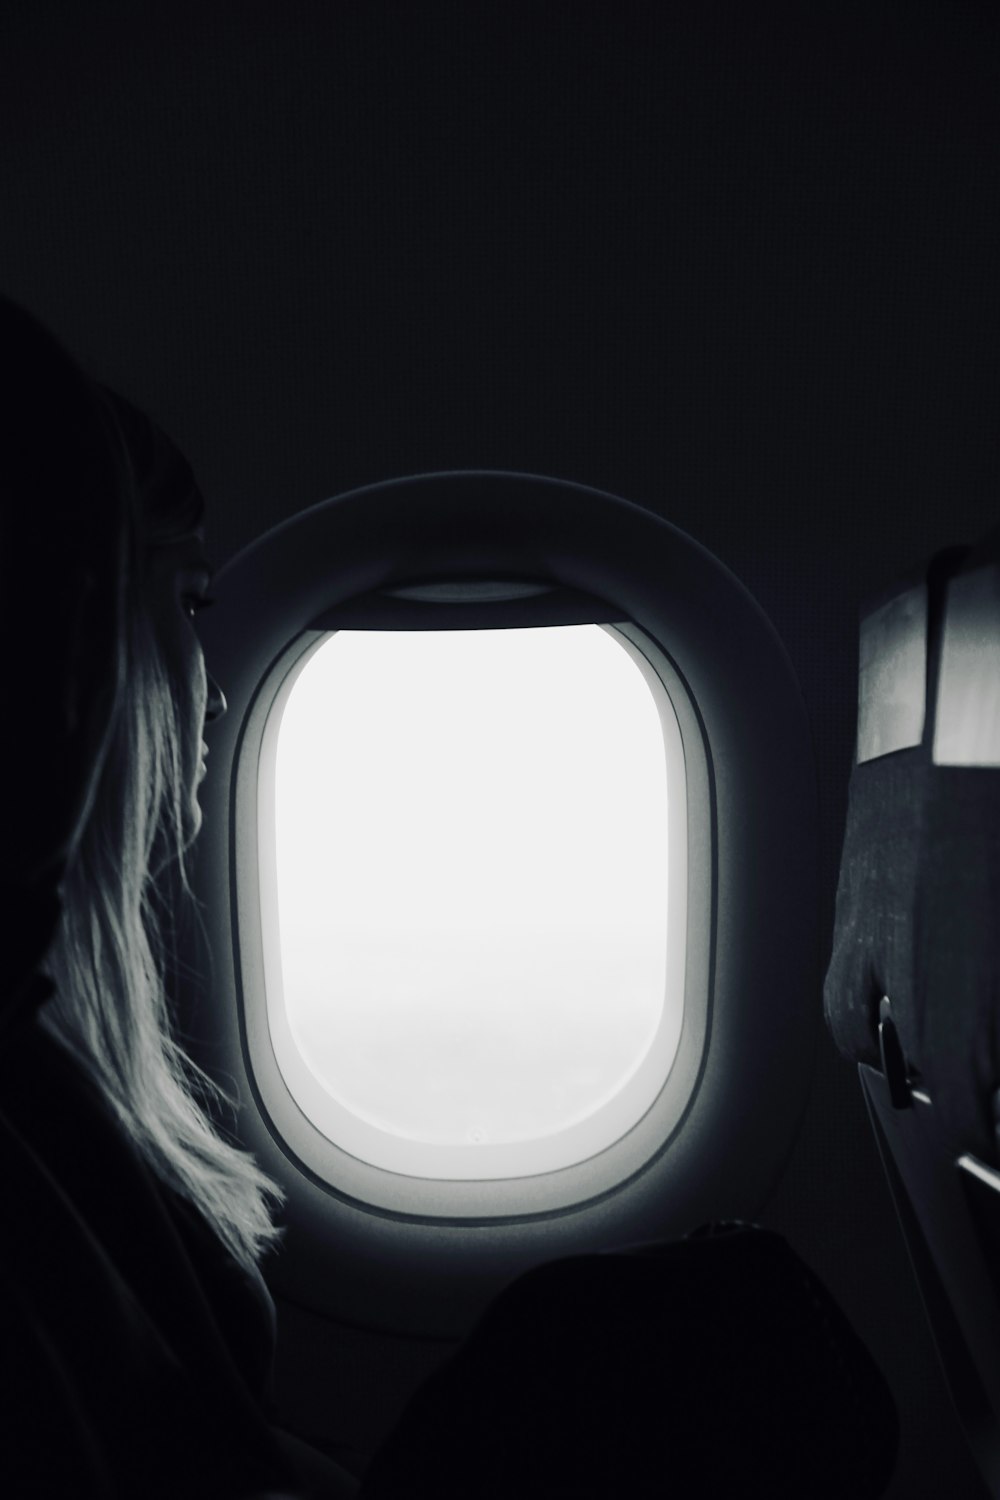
{"x":113,"y":1326}
{"x":159,"y":1244}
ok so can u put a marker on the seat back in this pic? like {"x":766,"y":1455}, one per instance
{"x":912,"y":992}
{"x":949,"y":1213}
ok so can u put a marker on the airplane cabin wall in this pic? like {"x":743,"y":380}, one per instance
{"x":736,"y":264}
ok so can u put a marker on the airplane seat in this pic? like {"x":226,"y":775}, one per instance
{"x":698,"y":1367}
{"x":912,"y":992}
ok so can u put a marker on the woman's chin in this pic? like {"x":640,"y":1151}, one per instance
{"x":192,"y":821}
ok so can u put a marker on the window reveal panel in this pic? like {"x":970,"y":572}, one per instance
{"x":471,"y":858}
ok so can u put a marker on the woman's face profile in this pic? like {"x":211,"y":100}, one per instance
{"x":178,"y":575}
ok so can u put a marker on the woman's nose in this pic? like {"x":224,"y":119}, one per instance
{"x":215,"y":704}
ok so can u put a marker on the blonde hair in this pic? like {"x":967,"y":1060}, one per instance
{"x":109,"y":960}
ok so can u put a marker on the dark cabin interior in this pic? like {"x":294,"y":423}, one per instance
{"x":736,"y":264}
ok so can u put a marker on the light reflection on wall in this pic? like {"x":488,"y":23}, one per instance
{"x":471,"y":835}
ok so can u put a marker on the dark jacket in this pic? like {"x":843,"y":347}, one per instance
{"x":134,"y":1350}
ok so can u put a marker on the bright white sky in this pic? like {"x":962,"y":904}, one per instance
{"x":472,"y":876}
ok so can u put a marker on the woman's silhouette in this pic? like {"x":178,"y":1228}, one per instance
{"x":136,"y":1328}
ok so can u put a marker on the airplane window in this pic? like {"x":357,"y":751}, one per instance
{"x":504,"y":805}
{"x":467,"y":960}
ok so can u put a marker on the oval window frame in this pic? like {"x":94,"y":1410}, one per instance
{"x":644,"y":1114}
{"x":429,"y":1274}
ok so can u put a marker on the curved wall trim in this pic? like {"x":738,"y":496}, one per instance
{"x":423,"y":1255}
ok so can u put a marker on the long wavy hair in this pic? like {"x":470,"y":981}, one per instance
{"x":110,"y":957}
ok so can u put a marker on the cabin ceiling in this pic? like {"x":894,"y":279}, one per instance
{"x":737,"y":263}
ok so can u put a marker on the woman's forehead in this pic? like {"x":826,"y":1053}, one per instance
{"x":180,"y":553}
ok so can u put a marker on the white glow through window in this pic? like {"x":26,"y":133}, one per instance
{"x":470,"y":854}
